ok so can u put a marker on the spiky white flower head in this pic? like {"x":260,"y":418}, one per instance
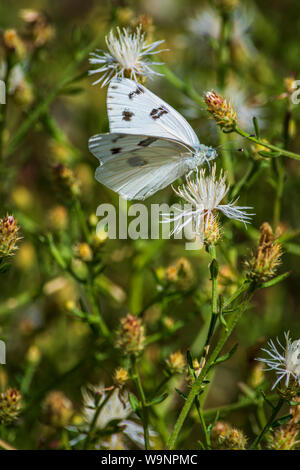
{"x":115,"y":408}
{"x":204,"y":193}
{"x":286,"y":364}
{"x":126,"y":56}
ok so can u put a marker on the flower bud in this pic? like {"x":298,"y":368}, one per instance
{"x":84,"y":252}
{"x":221,"y":111}
{"x":263,"y":264}
{"x":130,"y":336}
{"x":120,"y":376}
{"x":225,"y":437}
{"x":66,"y":181}
{"x":14,"y":43}
{"x":181,"y":273}
{"x":58,"y":218}
{"x":176,"y":363}
{"x":8,"y":235}
{"x":10,"y":405}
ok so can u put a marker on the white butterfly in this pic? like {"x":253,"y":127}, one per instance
{"x":150,"y":144}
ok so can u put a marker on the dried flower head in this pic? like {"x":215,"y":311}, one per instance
{"x":39,"y":28}
{"x":180,"y":273}
{"x":10,"y":406}
{"x":176,"y":363}
{"x":8,"y":236}
{"x":286,"y":437}
{"x":57,"y":409}
{"x":130,"y":336}
{"x":287,"y":364}
{"x":225,"y":437}
{"x":127,"y":56}
{"x":221,"y":111}
{"x":204,"y":194}
{"x":66,"y":181}
{"x":264,"y":262}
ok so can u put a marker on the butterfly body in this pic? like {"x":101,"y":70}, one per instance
{"x":150,"y":144}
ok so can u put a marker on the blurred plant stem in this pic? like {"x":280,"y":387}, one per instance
{"x":225,"y":333}
{"x":279,"y":170}
{"x":69,"y":76}
{"x":6,"y":446}
{"x":81,"y":219}
{"x":87,"y":284}
{"x":3,"y":108}
{"x":222,"y":70}
{"x":223,"y":51}
{"x":246,"y":402}
{"x":279,"y":165}
{"x":276,"y":410}
{"x":137,"y":380}
{"x":96,"y":311}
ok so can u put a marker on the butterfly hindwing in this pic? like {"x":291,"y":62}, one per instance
{"x":136,"y":166}
{"x":133,"y":109}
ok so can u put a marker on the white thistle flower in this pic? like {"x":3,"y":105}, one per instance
{"x":207,"y":24}
{"x":286,"y":364}
{"x":245,"y":108}
{"x":113,"y":409}
{"x":127,"y":56}
{"x":203,"y":194}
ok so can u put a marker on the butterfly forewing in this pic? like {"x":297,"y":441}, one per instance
{"x":133,"y":109}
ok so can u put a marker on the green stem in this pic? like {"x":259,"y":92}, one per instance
{"x":210,"y":413}
{"x":82,"y":220}
{"x":281,"y":151}
{"x":269,"y":424}
{"x":138,"y":383}
{"x":94,"y":420}
{"x":214,"y":299}
{"x":224,"y":335}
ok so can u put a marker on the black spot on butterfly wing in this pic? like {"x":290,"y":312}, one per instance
{"x":115,"y":150}
{"x":127,"y":115}
{"x":147,"y":142}
{"x":137,"y":161}
{"x":156,"y":113}
{"x":118,"y":137}
{"x":137,"y":92}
